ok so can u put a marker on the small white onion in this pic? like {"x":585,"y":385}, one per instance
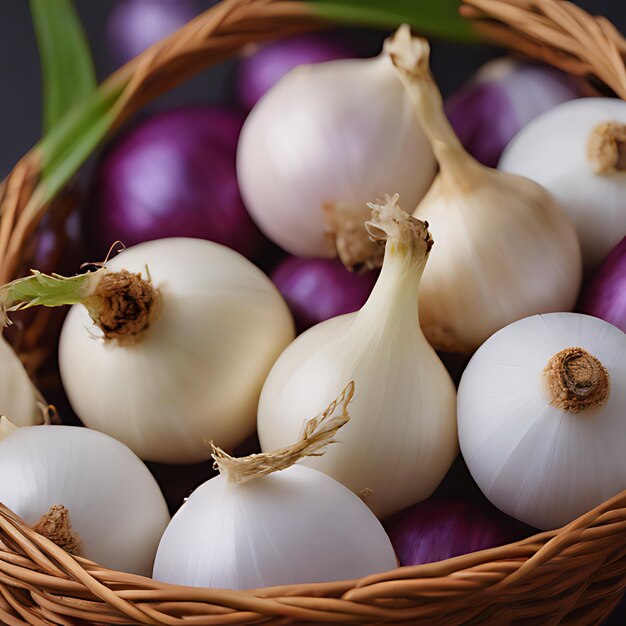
{"x":18,"y":397}
{"x":544,"y":458}
{"x":196,"y":372}
{"x":554,"y":150}
{"x":115,"y":507}
{"x":294,"y":526}
{"x":329,"y":138}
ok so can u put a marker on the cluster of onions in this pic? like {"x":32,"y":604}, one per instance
{"x":167,"y":346}
{"x":178,"y":341}
{"x":323,"y":142}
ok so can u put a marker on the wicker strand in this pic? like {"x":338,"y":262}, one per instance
{"x":574,"y":576}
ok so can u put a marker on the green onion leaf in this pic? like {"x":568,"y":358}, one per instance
{"x":438,"y":18}
{"x":67,"y":68}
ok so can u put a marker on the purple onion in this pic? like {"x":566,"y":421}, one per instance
{"x":172,"y":175}
{"x":262,"y":70}
{"x":503,"y":97}
{"x":605,"y":297}
{"x":318,"y":289}
{"x":134,"y":25}
{"x":434,"y":530}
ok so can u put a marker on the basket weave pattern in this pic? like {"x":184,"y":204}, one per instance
{"x":572,"y":576}
{"x":575,"y":575}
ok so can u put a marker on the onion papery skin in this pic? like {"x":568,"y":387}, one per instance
{"x":318,"y":289}
{"x":260,"y":71}
{"x":293,"y":526}
{"x":505,"y":251}
{"x":504,"y":96}
{"x":135,"y":25}
{"x":172,"y":175}
{"x":436,"y":530}
{"x":552,"y":150}
{"x":196,"y":374}
{"x":536,"y":462}
{"x":605,"y":296}
{"x":336,"y":134}
{"x":114,"y":504}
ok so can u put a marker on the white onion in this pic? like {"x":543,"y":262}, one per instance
{"x":265,"y":521}
{"x":331,"y":137}
{"x":504,"y":249}
{"x":535,"y":460}
{"x":115,"y":506}
{"x":401,"y":439}
{"x":196,"y":373}
{"x":554,"y":151}
{"x":294,"y":526}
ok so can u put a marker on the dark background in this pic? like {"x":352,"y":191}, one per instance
{"x":20,"y":102}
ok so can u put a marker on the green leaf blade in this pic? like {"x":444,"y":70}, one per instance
{"x":437,"y":18}
{"x":67,"y":68}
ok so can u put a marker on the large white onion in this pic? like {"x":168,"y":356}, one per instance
{"x":294,"y":526}
{"x":196,"y":373}
{"x":541,"y":459}
{"x":116,"y":510}
{"x":324,"y":141}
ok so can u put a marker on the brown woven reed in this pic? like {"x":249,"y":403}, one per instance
{"x":572,"y":576}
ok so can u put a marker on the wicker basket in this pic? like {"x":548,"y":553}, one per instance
{"x":575,"y":575}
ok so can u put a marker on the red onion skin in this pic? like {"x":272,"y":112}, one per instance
{"x":262,"y":70}
{"x":318,"y":289}
{"x":435,"y":530}
{"x":605,"y":296}
{"x":134,"y":25}
{"x":172,"y":175}
{"x":502,"y":98}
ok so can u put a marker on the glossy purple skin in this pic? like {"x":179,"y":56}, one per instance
{"x":318,"y":289}
{"x":134,"y":25}
{"x":172,"y":175}
{"x":605,"y":297}
{"x":262,"y":70}
{"x":434,"y":530}
{"x":490,"y":110}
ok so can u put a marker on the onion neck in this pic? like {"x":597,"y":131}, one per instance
{"x":55,"y":525}
{"x":576,"y":381}
{"x":606,"y":148}
{"x":394,"y":299}
{"x":410,"y":56}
